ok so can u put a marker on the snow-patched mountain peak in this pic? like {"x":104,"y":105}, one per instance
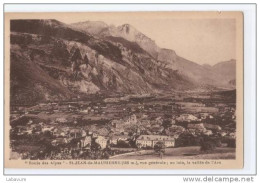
{"x":92,"y":27}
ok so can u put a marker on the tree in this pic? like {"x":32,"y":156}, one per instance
{"x":138,"y":147}
{"x":48,"y":134}
{"x":186,"y":139}
{"x":208,"y":144}
{"x":74,"y":154}
{"x":122,"y":144}
{"x":106,"y":153}
{"x":231,"y":143}
{"x":95,"y":146}
{"x":159,"y":147}
{"x":167,"y":123}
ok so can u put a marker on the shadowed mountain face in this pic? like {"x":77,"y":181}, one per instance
{"x":51,"y":60}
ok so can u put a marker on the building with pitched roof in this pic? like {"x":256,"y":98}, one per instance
{"x":151,"y":140}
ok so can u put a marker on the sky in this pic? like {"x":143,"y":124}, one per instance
{"x":201,"y":40}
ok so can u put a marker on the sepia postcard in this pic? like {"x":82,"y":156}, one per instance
{"x":124,"y":90}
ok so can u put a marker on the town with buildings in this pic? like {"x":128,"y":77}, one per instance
{"x":105,"y":127}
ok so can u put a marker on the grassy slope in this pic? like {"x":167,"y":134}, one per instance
{"x":192,"y":152}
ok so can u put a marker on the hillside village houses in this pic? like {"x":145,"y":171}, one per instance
{"x":59,"y":141}
{"x":76,"y":133}
{"x":102,"y":141}
{"x":186,"y":117}
{"x":145,"y":131}
{"x":204,"y":127}
{"x":115,"y":139}
{"x":127,"y":121}
{"x":198,"y":126}
{"x":212,"y":127}
{"x":84,"y":138}
{"x":85,"y":141}
{"x":131,"y":120}
{"x":205,"y":115}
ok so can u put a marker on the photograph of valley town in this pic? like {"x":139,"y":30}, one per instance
{"x":92,"y":89}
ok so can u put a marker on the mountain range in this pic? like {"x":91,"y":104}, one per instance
{"x":51,"y":60}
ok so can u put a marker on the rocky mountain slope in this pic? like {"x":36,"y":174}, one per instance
{"x":168,"y":58}
{"x":227,"y":69}
{"x":51,"y":60}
